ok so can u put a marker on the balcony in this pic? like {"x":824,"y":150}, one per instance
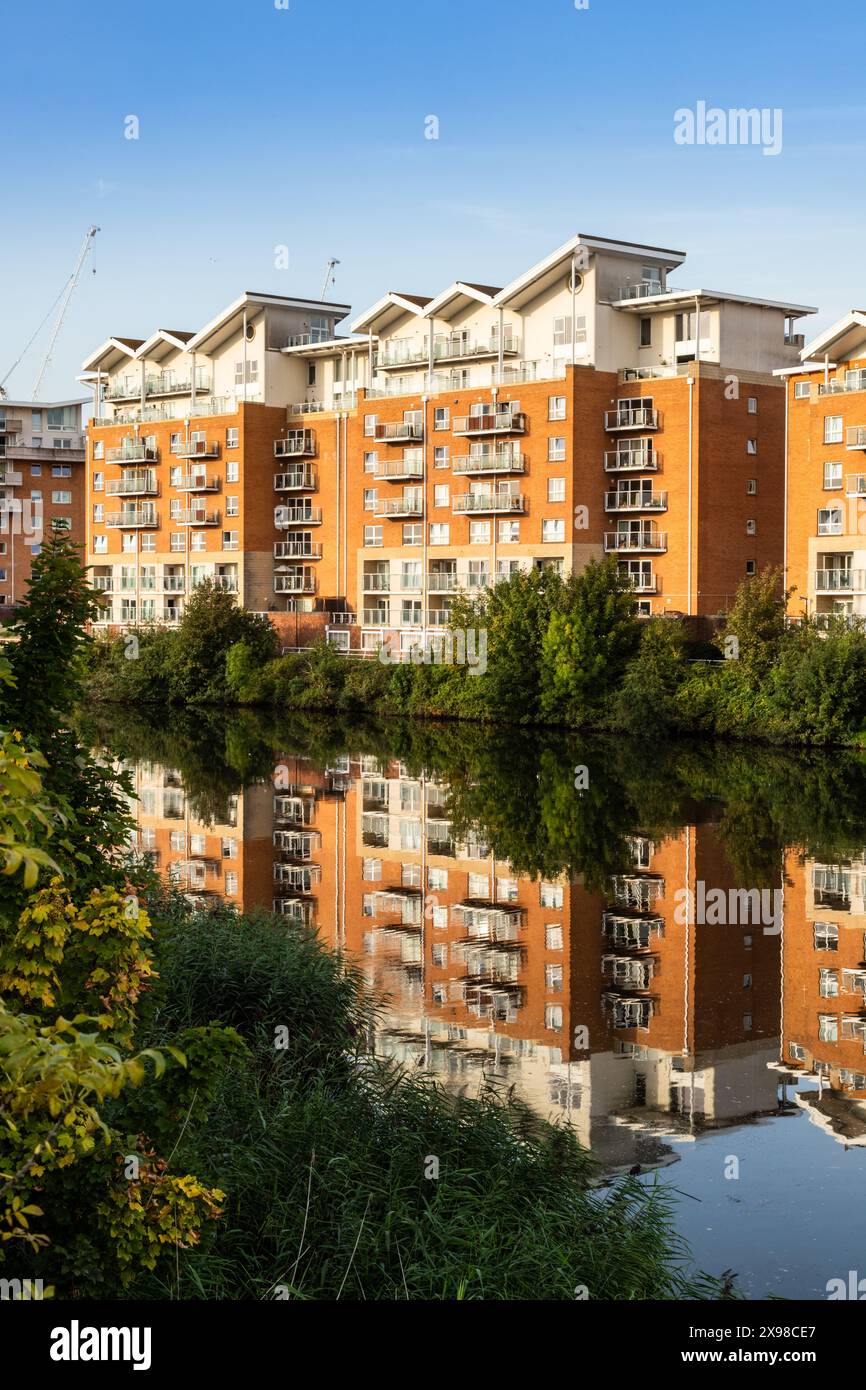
{"x":197,"y":482}
{"x":11,"y":424}
{"x":632,"y":460}
{"x":457,"y":348}
{"x":197,"y":516}
{"x":644,"y":289}
{"x":438,"y":617}
{"x":297,"y":444}
{"x":641,"y":583}
{"x":631,"y":418}
{"x":102,"y":583}
{"x":491,"y":421}
{"x":196,"y":449}
{"x":489,"y":502}
{"x":634,"y":933}
{"x":131,"y":451}
{"x":171,"y":615}
{"x":8,"y":478}
{"x":377,"y":583}
{"x":855,"y":437}
{"x":169,"y":386}
{"x":123,"y":391}
{"x":855,"y":485}
{"x":297,"y":550}
{"x":296,"y":480}
{"x":133,"y":485}
{"x":637,"y":500}
{"x":400,"y":507}
{"x":399,"y":432}
{"x":442,"y":582}
{"x":376,"y":617}
{"x":132,"y":518}
{"x":655,"y":541}
{"x":229,"y":582}
{"x":489,"y":460}
{"x":304,"y":582}
{"x":173,"y":583}
{"x":402,"y":353}
{"x":284,"y":517}
{"x":399,"y":470}
{"x":839,"y":581}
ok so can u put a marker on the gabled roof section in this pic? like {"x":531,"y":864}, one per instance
{"x":545,"y":273}
{"x":163,"y":343}
{"x":459,"y":296}
{"x":841,"y":339}
{"x":230,"y":319}
{"x":674,"y":299}
{"x":388,"y":310}
{"x":110,"y":355}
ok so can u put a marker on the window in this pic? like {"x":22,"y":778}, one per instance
{"x":439,"y":956}
{"x":829,"y":521}
{"x":100,"y":545}
{"x":98,"y":449}
{"x":232,"y":507}
{"x":478,"y":886}
{"x":556,"y":489}
{"x":440,"y":456}
{"x":440,"y":532}
{"x":441,"y":417}
{"x":232,"y":436}
{"x":551,"y":895}
{"x":370,"y":425}
{"x":751,"y":486}
{"x":751,"y":526}
{"x":562,"y":330}
{"x":828,"y":1028}
{"x":177,"y":541}
{"x":230,"y":540}
{"x":61,"y":470}
{"x":751,"y":446}
{"x":553,"y":937}
{"x":509,"y":532}
{"x":753,"y":405}
{"x":371,"y":870}
{"x":61,"y":499}
{"x":832,"y":476}
{"x":252,"y":371}
{"x":479,"y":533}
{"x":36,"y":470}
{"x":174,"y":508}
{"x":370,"y":496}
{"x":174,"y":442}
{"x":440,"y":918}
{"x":832,"y":429}
{"x":311,"y":373}
{"x":148,"y":542}
{"x":231,"y":883}
{"x":98,"y":482}
{"x":198,"y":540}
{"x":802,"y":389}
{"x":825,"y":936}
{"x":232,"y":473}
{"x":750,"y":567}
{"x":553,"y":1016}
{"x":441,"y":495}
{"x":556,"y":407}
{"x":36,"y":495}
{"x":553,"y":977}
{"x":828,"y":983}
{"x":413,"y":533}
{"x":553,"y":529}
{"x":371,"y":461}
{"x":437,"y":880}
{"x":646,"y":332}
{"x":98,"y":513}
{"x":556,"y":449}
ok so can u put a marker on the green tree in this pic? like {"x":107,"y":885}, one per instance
{"x":757,"y":622}
{"x":587,"y":646}
{"x":646,"y":702}
{"x":212,"y":624}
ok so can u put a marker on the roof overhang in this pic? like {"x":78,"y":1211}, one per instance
{"x":842,"y":338}
{"x":546,"y":273}
{"x":389,"y":310}
{"x":230,"y":320}
{"x":674,"y":299}
{"x":163,"y":343}
{"x":456,"y":299}
{"x":110,"y":355}
{"x":804,"y":368}
{"x":330,"y":348}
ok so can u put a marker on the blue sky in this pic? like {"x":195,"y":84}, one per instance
{"x":304,"y":127}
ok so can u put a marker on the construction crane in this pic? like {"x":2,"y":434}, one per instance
{"x":70,"y":290}
{"x":65,"y":295}
{"x":329,"y":275}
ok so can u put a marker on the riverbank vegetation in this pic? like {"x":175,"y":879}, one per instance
{"x":190,"y":1109}
{"x":540,"y":649}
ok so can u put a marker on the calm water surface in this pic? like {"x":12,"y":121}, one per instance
{"x":663,"y":948}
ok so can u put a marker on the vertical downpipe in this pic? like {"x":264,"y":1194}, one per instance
{"x":691,"y":382}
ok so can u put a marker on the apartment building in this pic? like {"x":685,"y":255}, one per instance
{"x":42,"y":484}
{"x":825,"y":476}
{"x":187,"y":433}
{"x":587,"y":408}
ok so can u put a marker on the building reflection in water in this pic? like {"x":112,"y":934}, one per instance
{"x":617,"y":1010}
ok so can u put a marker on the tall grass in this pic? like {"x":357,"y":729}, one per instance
{"x":349,"y":1179}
